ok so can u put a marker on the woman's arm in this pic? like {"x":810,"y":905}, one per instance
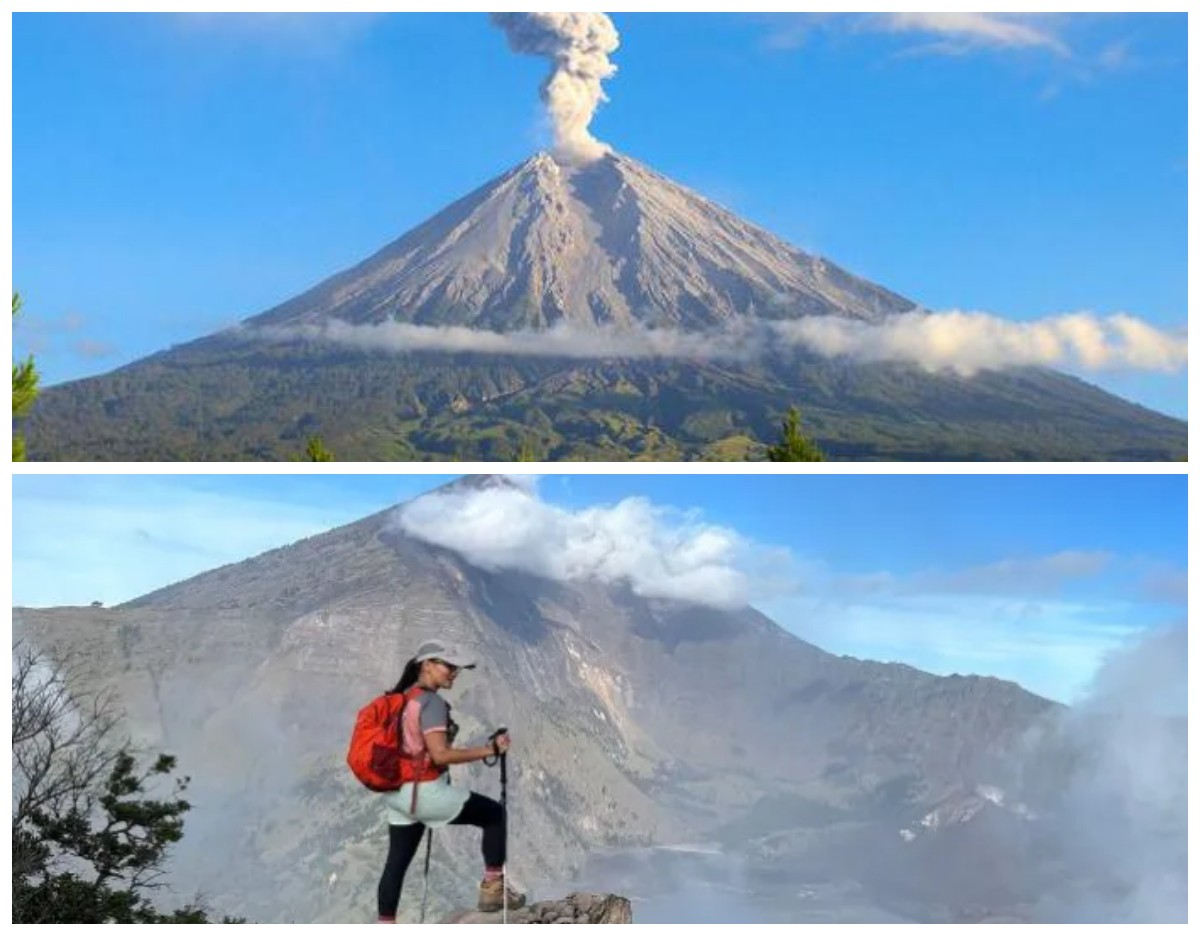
{"x":443,"y":755}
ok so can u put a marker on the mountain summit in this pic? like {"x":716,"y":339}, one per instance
{"x":608,"y":243}
{"x":578,"y":312}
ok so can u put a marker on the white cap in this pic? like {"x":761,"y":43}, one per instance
{"x":436,"y":650}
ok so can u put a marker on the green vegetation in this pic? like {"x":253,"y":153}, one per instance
{"x":529,"y":451}
{"x":90,"y":840}
{"x":24,"y":391}
{"x":793,"y":446}
{"x":315,"y":451}
{"x":215,"y":401}
{"x":737,"y":448}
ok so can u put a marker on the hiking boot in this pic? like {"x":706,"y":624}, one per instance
{"x":491,"y":897}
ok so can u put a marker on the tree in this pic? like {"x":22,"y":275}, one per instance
{"x":90,"y":840}
{"x":315,"y":451}
{"x":24,"y":391}
{"x":793,"y":446}
{"x":528,"y":451}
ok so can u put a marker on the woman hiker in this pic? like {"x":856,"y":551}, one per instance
{"x":431,"y":802}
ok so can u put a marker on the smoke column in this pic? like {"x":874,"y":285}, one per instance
{"x":578,"y":46}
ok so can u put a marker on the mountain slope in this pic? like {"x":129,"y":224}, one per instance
{"x":234,"y":401}
{"x":386,"y":362}
{"x":636,"y":721}
{"x":609,"y":243}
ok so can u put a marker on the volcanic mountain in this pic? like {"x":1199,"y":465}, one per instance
{"x":609,"y":243}
{"x":638,"y":722}
{"x":596,"y":311}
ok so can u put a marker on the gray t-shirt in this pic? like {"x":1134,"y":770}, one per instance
{"x":435,"y":713}
{"x":427,"y":713}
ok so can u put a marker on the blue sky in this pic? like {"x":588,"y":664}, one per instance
{"x":1029,"y":578}
{"x":175,"y":173}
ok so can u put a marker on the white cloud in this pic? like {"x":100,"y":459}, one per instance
{"x":964,"y":32}
{"x":970,"y":342}
{"x":935,"y":33}
{"x":965,"y":343}
{"x":310,"y":34}
{"x":657,"y":552}
{"x":51,"y":335}
{"x":1020,"y":576}
{"x":561,"y":341}
{"x":1166,"y":585}
{"x":1117,"y":56}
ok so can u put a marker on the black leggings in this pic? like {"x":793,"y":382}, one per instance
{"x":479,"y":811}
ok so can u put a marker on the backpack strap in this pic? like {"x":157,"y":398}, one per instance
{"x":407,"y":697}
{"x":410,"y":696}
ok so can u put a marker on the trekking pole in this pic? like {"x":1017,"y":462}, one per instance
{"x":425,"y":888}
{"x":504,"y":810}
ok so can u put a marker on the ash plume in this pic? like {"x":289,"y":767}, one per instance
{"x":578,"y":46}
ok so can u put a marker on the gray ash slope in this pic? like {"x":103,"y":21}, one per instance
{"x":609,"y":243}
{"x":612,"y":246}
{"x":639,"y":722}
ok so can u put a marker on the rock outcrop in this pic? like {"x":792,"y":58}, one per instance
{"x":576,"y":908}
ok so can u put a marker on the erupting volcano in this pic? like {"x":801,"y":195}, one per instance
{"x":584,"y":306}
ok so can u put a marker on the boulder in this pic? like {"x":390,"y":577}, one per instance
{"x":576,"y":908}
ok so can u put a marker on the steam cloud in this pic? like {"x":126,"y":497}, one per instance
{"x":578,"y":46}
{"x":1124,"y":805}
{"x":965,"y":343}
{"x":659,"y":553}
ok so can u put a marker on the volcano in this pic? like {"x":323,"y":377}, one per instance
{"x":664,"y":746}
{"x":611,"y":243}
{"x":576,"y":312}
{"x":251,"y":674}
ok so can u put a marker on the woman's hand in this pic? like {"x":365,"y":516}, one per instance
{"x":443,"y":754}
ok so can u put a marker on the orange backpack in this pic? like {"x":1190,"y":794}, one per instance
{"x":377,"y":755}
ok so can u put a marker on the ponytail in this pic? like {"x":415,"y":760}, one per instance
{"x":408,"y":679}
